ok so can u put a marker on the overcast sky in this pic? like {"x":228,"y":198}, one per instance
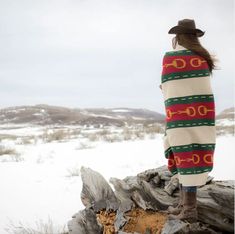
{"x":104,"y":53}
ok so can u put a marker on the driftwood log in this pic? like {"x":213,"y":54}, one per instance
{"x":155,"y":190}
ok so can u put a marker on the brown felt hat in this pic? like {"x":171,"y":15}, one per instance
{"x":186,"y":26}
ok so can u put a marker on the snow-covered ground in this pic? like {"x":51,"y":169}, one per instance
{"x":46,"y":181}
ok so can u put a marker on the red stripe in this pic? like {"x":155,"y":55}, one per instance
{"x":200,"y":159}
{"x":171,"y":162}
{"x":186,"y":67}
{"x":196,"y":110}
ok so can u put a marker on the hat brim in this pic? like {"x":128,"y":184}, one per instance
{"x":180,"y":30}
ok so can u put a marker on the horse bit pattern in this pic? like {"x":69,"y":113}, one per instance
{"x":190,"y":111}
{"x":207,"y":158}
{"x":181,"y":63}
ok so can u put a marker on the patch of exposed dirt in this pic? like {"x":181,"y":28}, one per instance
{"x":107,"y":221}
{"x":139,"y":221}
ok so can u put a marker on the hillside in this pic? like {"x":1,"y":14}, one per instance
{"x":225,"y":122}
{"x":45,"y":114}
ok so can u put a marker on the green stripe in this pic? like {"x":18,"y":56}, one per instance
{"x":189,"y":147}
{"x":190,"y":123}
{"x":184,"y":75}
{"x":179,"y":52}
{"x":167,"y":152}
{"x":194,"y":170}
{"x":174,"y":171}
{"x":189,"y":99}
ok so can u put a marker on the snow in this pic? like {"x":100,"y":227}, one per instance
{"x":225,"y":122}
{"x":21,"y":130}
{"x":137,"y":118}
{"x":121,"y":110}
{"x":38,"y":114}
{"x":41,"y":185}
{"x":104,"y":116}
{"x":12,"y":110}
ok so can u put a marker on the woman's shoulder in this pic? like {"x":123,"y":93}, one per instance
{"x":179,"y":52}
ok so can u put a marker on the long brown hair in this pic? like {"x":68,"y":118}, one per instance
{"x":191,"y":42}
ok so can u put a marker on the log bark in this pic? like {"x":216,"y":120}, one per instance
{"x":153,"y":189}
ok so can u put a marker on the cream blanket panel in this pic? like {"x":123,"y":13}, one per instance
{"x":188,"y":135}
{"x":186,"y":87}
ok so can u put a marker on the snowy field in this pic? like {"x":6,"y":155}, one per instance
{"x":42,"y":181}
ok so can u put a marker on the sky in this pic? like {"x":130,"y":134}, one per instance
{"x":104,"y":53}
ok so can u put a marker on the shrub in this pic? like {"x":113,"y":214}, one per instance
{"x":155,"y":128}
{"x":93,"y":137}
{"x":127,"y":134}
{"x":112,"y":138}
{"x":84,"y":145}
{"x":75,"y":171}
{"x":56,"y":135}
{"x":16,"y":158}
{"x":41,"y":228}
{"x":7,"y":151}
{"x":223,"y":130}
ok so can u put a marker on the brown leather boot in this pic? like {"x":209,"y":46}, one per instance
{"x":179,"y":207}
{"x":189,"y":211}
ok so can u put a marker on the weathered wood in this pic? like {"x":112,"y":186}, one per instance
{"x":96,"y":192}
{"x":161,"y":199}
{"x":120,"y":221}
{"x":180,"y":227}
{"x":173,"y":226}
{"x":172,"y":186}
{"x":84,"y":222}
{"x":160,"y":174}
{"x":123,"y":190}
{"x":153,"y":189}
{"x":215,"y":205}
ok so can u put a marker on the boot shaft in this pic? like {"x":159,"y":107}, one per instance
{"x":189,"y":199}
{"x":189,"y":211}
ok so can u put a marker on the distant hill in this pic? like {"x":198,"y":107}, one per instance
{"x":227,"y":114}
{"x":225,"y":123}
{"x":46,"y":114}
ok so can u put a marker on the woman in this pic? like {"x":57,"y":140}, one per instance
{"x":190,"y":135}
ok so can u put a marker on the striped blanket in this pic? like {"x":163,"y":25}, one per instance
{"x":190,"y":137}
